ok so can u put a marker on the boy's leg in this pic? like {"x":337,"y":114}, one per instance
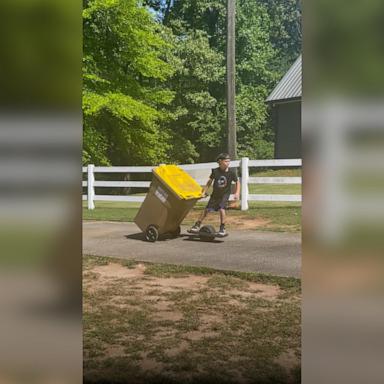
{"x":222,"y":222}
{"x":203,"y":215}
{"x":222,"y":216}
{"x":196,"y":226}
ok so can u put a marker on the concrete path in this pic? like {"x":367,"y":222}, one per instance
{"x":250,"y":251}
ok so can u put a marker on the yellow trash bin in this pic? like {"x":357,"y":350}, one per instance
{"x":172,"y":194}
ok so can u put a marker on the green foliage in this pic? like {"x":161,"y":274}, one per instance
{"x":154,"y":77}
{"x":265,"y":38}
{"x":124,"y":95}
{"x":284,"y":30}
{"x":255,"y":79}
{"x":200,"y":71}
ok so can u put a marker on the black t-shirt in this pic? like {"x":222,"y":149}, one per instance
{"x":222,"y":181}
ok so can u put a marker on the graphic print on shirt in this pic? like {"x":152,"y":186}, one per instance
{"x":222,"y":182}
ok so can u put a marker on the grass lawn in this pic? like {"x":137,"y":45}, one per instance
{"x":283,"y":189}
{"x":111,"y":211}
{"x":289,"y":172}
{"x":274,"y":216}
{"x":151,"y":323}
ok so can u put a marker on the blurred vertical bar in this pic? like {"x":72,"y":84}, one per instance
{"x":343,"y":209}
{"x":40,"y":191}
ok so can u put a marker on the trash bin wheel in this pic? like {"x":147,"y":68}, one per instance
{"x":176,"y":232}
{"x":207,"y":233}
{"x":151,"y":233}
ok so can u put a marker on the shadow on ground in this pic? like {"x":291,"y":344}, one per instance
{"x":197,"y":238}
{"x":136,"y":236}
{"x":141,"y":237}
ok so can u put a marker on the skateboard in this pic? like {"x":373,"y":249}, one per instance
{"x":207,"y":233}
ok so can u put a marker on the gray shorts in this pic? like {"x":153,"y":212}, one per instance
{"x":217,"y":202}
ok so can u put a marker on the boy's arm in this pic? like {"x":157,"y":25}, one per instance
{"x":205,"y":189}
{"x":237,"y":191}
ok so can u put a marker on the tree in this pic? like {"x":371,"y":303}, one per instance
{"x":285,"y":30}
{"x":196,"y":83}
{"x":200,"y":28}
{"x":255,"y":79}
{"x":154,"y":77}
{"x":200,"y":82}
{"x":124,"y":96}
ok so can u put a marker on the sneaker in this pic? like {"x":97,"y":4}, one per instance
{"x":195,"y":228}
{"x":222,"y":231}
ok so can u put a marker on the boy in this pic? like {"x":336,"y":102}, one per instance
{"x":222,"y":178}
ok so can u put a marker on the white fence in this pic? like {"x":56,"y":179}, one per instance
{"x":244,"y":164}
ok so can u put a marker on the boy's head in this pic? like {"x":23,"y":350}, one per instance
{"x":223,"y":159}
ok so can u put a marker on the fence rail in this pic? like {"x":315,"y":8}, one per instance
{"x":244,"y":164}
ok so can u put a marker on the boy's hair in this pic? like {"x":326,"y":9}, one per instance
{"x":222,"y":156}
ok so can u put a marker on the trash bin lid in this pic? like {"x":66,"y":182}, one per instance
{"x":179,"y":181}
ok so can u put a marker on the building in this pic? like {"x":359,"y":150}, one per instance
{"x":285,"y":101}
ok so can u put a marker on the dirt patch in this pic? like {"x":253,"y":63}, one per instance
{"x":237,"y":221}
{"x":157,"y":301}
{"x":244,"y":222}
{"x":264,"y":290}
{"x":210,"y":319}
{"x":114,"y":350}
{"x":190,"y":282}
{"x":162,"y":334}
{"x":161,"y":305}
{"x":113,"y":273}
{"x":198,"y":335}
{"x":168,"y":316}
{"x":117,"y":271}
{"x":186,"y":325}
{"x":147,"y":364}
{"x":182,"y":346}
{"x":287,"y":360}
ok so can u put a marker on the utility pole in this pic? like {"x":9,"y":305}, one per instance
{"x":231,"y":89}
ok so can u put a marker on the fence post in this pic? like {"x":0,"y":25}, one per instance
{"x":91,"y":186}
{"x":244,"y":183}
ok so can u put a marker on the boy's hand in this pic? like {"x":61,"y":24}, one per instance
{"x":236,"y":196}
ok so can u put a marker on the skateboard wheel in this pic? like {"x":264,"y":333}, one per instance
{"x":151,"y":233}
{"x":207,"y":233}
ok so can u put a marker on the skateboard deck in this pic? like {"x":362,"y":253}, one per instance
{"x":207,"y":235}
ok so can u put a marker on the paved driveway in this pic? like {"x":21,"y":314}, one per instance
{"x":250,"y":251}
